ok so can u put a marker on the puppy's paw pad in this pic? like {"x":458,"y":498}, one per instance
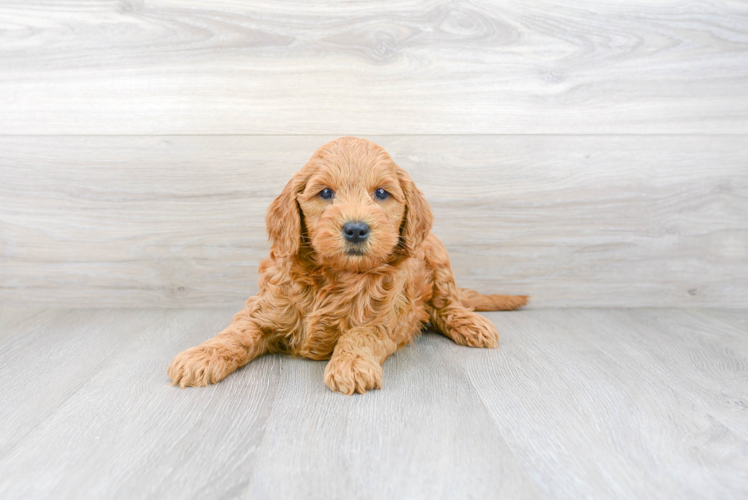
{"x":198,"y":366}
{"x":349,"y":373}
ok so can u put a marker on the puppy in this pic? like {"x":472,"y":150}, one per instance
{"x":353,"y":274}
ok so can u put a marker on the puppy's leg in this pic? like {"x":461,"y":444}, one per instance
{"x":356,"y":362}
{"x":214,"y":359}
{"x":454,"y":320}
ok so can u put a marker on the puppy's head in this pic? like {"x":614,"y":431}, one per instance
{"x":349,"y":208}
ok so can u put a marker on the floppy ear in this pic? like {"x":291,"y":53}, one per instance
{"x":283,"y":219}
{"x":418,"y":218}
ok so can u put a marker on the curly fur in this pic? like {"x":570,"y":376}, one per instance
{"x":323,"y":299}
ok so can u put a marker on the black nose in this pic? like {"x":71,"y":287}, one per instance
{"x":356,"y":232}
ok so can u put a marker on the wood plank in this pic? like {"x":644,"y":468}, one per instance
{"x":619,"y":404}
{"x":377,"y":67}
{"x":125,"y":432}
{"x":15,"y":319}
{"x":573,"y":221}
{"x":425,"y":435}
{"x":47,"y":356}
{"x":575,"y":403}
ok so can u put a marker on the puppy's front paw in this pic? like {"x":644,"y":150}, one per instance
{"x":474,"y":330}
{"x":200,"y":366}
{"x":349,"y":373}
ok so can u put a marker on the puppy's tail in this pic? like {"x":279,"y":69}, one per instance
{"x":471,"y":298}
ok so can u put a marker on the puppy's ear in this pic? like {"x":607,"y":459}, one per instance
{"x":418,"y":219}
{"x":283,"y":219}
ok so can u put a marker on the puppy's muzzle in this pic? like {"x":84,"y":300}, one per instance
{"x":356,"y":231}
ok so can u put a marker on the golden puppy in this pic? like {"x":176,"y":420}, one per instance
{"x":354,"y":272}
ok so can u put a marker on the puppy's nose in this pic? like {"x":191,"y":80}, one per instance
{"x":356,"y":232}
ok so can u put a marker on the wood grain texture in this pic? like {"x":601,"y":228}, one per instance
{"x":127,"y":410}
{"x":48,"y":355}
{"x":658,"y":401}
{"x":606,"y":404}
{"x":376,"y":67}
{"x":574,"y":221}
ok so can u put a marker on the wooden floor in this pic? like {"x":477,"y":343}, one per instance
{"x":641,"y":403}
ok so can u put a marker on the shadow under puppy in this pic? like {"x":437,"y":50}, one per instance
{"x":353,"y":274}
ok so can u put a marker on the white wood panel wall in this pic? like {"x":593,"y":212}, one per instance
{"x":586,"y":153}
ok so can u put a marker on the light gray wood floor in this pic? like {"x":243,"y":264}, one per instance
{"x":644,"y":403}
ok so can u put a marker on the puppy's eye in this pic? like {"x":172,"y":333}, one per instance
{"x":326,"y":194}
{"x":381,"y":194}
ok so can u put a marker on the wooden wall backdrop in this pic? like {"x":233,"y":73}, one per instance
{"x":587,"y":153}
